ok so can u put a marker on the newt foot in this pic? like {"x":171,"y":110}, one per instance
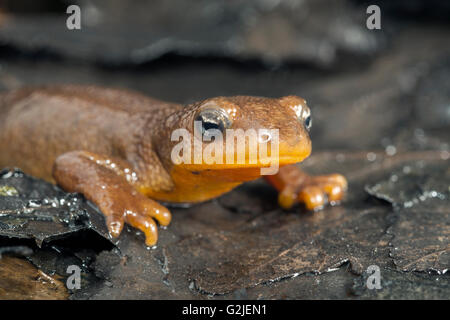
{"x":315,"y":192}
{"x":295,"y":186}
{"x":118,"y":200}
{"x":140,"y":213}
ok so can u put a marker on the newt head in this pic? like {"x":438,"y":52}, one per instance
{"x":234,"y":137}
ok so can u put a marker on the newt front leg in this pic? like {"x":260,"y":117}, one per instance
{"x":314,"y":191}
{"x":103,"y":180}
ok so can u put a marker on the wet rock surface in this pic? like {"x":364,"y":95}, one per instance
{"x":382,"y":120}
{"x":421,"y":232}
{"x":34,"y":209}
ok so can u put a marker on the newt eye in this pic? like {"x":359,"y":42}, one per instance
{"x":308,"y":122}
{"x":213,"y":119}
{"x":304,"y":115}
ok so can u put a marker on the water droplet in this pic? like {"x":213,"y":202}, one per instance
{"x":406,"y":169}
{"x":445,"y":155}
{"x":391,"y":150}
{"x":371,"y":156}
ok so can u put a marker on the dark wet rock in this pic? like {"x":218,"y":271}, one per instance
{"x":134,"y":273}
{"x":105,"y":262}
{"x":419,"y":191}
{"x":422,"y":238}
{"x":43,"y":212}
{"x":277,"y":246}
{"x":55,"y":229}
{"x":251,"y":198}
{"x":333,"y":285}
{"x":415,"y":184}
{"x":401,"y":285}
{"x":343,"y":284}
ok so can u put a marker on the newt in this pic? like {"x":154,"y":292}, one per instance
{"x":114,"y":146}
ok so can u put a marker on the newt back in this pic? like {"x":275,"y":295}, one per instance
{"x":39,"y":124}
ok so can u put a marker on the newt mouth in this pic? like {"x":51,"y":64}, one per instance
{"x":261,"y":163}
{"x":245,"y":171}
{"x":286,"y":155}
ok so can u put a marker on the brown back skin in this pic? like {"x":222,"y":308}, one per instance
{"x":39,"y":124}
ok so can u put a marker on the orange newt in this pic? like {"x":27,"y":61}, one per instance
{"x":114,"y":146}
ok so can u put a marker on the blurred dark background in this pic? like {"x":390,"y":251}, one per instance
{"x":355,"y":79}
